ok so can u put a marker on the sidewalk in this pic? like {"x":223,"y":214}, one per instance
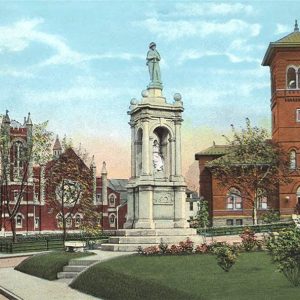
{"x":29,"y":287}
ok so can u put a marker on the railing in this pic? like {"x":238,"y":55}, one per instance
{"x":33,"y":244}
{"x":236,"y":230}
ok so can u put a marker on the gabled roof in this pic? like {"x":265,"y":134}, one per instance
{"x":215,"y":150}
{"x":291,"y":40}
{"x":119,"y":185}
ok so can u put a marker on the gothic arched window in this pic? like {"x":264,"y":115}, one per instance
{"x":112,"y":200}
{"x":293,"y":162}
{"x":112,"y":220}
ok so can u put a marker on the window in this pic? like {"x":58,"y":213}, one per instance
{"x":239,"y":222}
{"x":19,"y":221}
{"x":262,"y":199}
{"x":234,"y":200}
{"x":298,"y":115}
{"x":98,"y":198}
{"x":36,"y":223}
{"x":293,"y":163}
{"x":229,"y":222}
{"x":112,"y":220}
{"x":69,"y":221}
{"x":59,"y":221}
{"x":112,"y":199}
{"x":298,"y":196}
{"x":191,"y":206}
{"x":77,"y":220}
{"x":291,"y":78}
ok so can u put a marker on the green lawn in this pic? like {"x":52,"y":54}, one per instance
{"x":186,"y":277}
{"x":48,"y":265}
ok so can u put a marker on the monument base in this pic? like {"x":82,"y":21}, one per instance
{"x":128,"y":240}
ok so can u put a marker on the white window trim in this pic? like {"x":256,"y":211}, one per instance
{"x":22,"y":218}
{"x":109,"y":197}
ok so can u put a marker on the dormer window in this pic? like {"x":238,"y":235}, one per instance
{"x":293,"y":78}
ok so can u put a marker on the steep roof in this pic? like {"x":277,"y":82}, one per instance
{"x":215,"y":150}
{"x":119,"y":185}
{"x":57,"y":145}
{"x":291,"y":40}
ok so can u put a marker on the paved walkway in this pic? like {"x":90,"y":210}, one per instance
{"x":28,"y":287}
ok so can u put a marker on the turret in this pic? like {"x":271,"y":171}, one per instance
{"x":57,"y":148}
{"x":93,"y":171}
{"x":104,"y":183}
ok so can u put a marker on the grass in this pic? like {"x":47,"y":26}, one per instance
{"x":48,"y":265}
{"x":186,"y":277}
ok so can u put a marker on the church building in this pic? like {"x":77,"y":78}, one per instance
{"x":30,"y":195}
{"x":226,"y":205}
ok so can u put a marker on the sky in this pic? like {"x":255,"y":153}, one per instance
{"x":79,"y":63}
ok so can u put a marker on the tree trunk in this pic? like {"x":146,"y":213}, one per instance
{"x":13,"y":229}
{"x":254,"y":213}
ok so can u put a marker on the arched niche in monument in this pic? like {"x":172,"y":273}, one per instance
{"x":138,"y":146}
{"x":161,"y":151}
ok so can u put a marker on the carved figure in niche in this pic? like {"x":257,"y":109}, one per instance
{"x":158,"y":161}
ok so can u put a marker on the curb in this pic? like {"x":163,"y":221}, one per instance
{"x":8,"y":294}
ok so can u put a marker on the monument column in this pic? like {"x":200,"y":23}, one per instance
{"x":145,"y":148}
{"x":178,"y":148}
{"x":133,"y":167}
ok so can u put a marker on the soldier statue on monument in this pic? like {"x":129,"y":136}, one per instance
{"x":153,"y":59}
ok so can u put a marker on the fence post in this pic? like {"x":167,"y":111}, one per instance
{"x":47,"y":244}
{"x":11,"y":247}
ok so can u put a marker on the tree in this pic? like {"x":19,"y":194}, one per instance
{"x":254,"y":164}
{"x":69,"y":187}
{"x":285,"y":251}
{"x":36,"y":151}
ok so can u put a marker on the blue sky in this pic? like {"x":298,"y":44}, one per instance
{"x":78,"y":64}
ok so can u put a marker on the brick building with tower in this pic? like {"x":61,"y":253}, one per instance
{"x":34,"y":212}
{"x":226,"y":204}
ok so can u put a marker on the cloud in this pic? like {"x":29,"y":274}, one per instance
{"x":193,"y":54}
{"x":81,"y":89}
{"x":281,"y":28}
{"x":20,"y":35}
{"x":9,"y":72}
{"x":173,"y":30}
{"x":204,"y":9}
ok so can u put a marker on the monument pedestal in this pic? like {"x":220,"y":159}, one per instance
{"x":128,"y":240}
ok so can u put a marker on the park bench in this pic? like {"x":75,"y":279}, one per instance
{"x":296,"y":219}
{"x":75,"y":246}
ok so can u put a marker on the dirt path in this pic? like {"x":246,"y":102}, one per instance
{"x":11,"y":262}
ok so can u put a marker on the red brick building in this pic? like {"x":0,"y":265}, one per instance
{"x":36,"y":212}
{"x":226,"y":204}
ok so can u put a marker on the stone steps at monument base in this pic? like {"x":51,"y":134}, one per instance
{"x":151,"y":240}
{"x":157,"y":232}
{"x":144,"y":243}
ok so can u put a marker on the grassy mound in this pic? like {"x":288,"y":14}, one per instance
{"x":254,"y":276}
{"x":48,"y":265}
{"x":109,"y":284}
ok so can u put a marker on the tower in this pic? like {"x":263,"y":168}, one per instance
{"x":283,"y":58}
{"x":57,"y":148}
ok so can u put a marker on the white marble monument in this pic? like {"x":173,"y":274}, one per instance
{"x":156,"y":197}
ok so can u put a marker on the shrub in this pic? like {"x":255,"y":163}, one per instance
{"x":248,"y":239}
{"x":163,"y":248}
{"x":203,"y":248}
{"x":226,"y":256}
{"x":187,"y":246}
{"x":285,"y":251}
{"x":271,"y":216}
